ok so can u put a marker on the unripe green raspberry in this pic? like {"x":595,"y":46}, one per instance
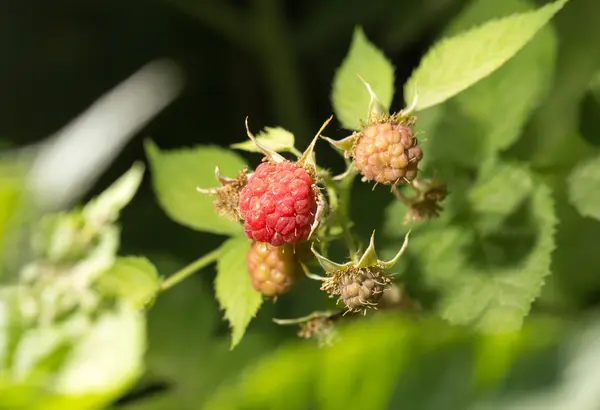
{"x":273,"y":269}
{"x":387,"y":152}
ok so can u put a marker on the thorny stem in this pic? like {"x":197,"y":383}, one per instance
{"x":190,"y":269}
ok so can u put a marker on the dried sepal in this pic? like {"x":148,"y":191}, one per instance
{"x":307,"y":159}
{"x":320,"y":213}
{"x":269,"y":153}
{"x":317,"y":325}
{"x":227,"y":196}
{"x":426,"y":204}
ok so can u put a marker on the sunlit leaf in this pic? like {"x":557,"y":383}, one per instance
{"x":107,"y":206}
{"x":177,"y":173}
{"x":133,"y":278}
{"x":456,"y":63}
{"x":502,"y":103}
{"x":350,"y":97}
{"x":275,"y":138}
{"x":234,"y":290}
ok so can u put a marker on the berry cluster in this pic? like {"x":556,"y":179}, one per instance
{"x":284,"y":212}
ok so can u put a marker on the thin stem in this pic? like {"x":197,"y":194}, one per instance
{"x":339,"y":199}
{"x":190,"y":269}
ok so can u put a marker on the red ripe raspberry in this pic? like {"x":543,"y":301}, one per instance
{"x":278,"y":204}
{"x":272,"y":269}
{"x":388,"y":153}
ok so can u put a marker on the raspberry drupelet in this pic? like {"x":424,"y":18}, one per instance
{"x":388,"y":153}
{"x":278,"y":204}
{"x":273,"y":270}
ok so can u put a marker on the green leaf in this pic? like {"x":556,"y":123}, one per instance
{"x":502,"y":103}
{"x":549,"y":142}
{"x":413,"y":351}
{"x":133,"y":278}
{"x":489,"y":271}
{"x":106,"y":207}
{"x":108,"y":358}
{"x":185,"y":345}
{"x":233,"y":287}
{"x":456,"y":63}
{"x":11,"y":190}
{"x":583,"y":190}
{"x":80,"y":362}
{"x":350,"y":97}
{"x":177,"y":173}
{"x":275,"y":138}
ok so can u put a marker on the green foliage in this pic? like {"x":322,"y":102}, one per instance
{"x":107,"y":206}
{"x":501,"y":103}
{"x":11,"y":194}
{"x":175,"y":176}
{"x":183,"y":348}
{"x":395,"y":362}
{"x":234,"y":290}
{"x":350,"y":97}
{"x":489,"y":270}
{"x":133,"y":278}
{"x":275,"y":138}
{"x":456,"y":63}
{"x":78,"y":362}
{"x":582,"y":194}
{"x":64,"y":344}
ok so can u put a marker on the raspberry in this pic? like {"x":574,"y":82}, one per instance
{"x":278,"y":204}
{"x":272,"y":269}
{"x":388,"y":153}
{"x":359,"y":289}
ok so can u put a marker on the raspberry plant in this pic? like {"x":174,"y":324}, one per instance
{"x":416,"y":290}
{"x":290,"y":199}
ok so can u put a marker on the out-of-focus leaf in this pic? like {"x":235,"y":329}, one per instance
{"x":108,"y":358}
{"x":584,"y":188}
{"x":390,"y":362}
{"x":106,"y":207}
{"x":234,"y":290}
{"x":276,"y":138}
{"x":488,"y":272}
{"x":78,"y":362}
{"x":552,"y":140}
{"x":177,"y":173}
{"x":456,"y":63}
{"x":11,"y":196}
{"x":350,"y":97}
{"x":133,"y":278}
